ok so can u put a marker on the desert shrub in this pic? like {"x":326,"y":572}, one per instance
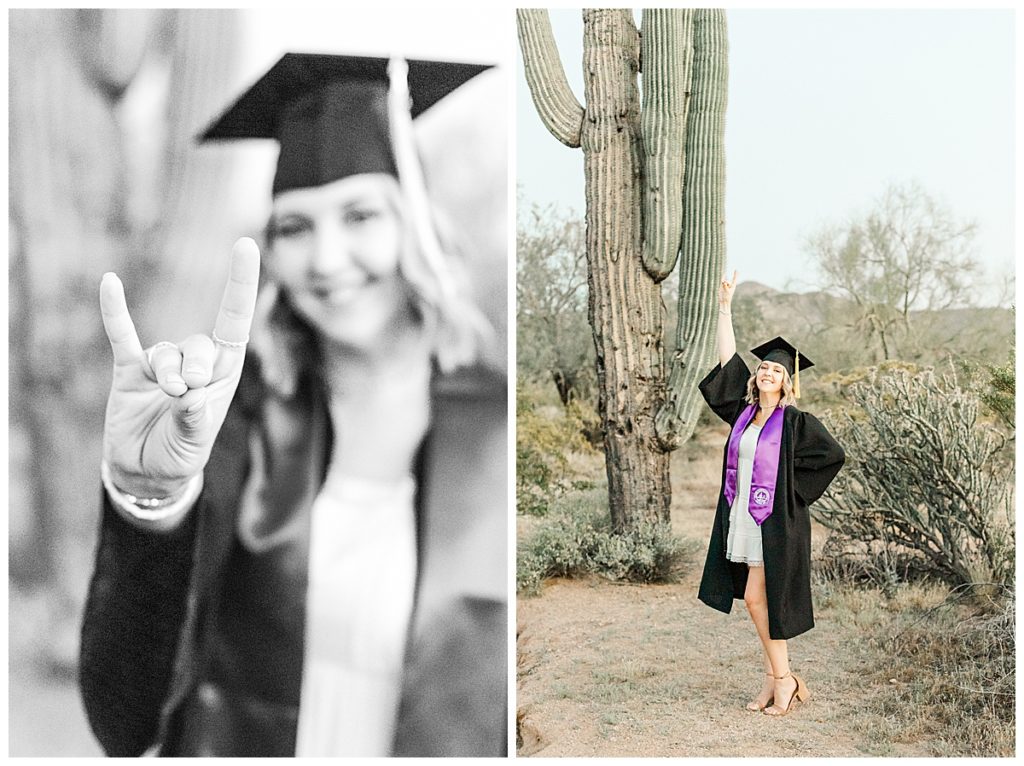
{"x":577,"y":539}
{"x":879,"y":563}
{"x":923,"y":488}
{"x":545,"y":437}
{"x":956,"y":663}
{"x":1001,"y":394}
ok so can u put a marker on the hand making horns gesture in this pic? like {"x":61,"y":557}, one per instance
{"x":726,"y":290}
{"x":168,"y":403}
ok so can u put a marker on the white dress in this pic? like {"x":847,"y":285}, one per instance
{"x":744,"y":544}
{"x":362,"y":577}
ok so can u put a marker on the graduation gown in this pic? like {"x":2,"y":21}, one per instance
{"x":193,"y":640}
{"x":809,"y":459}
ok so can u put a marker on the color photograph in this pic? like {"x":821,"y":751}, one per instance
{"x":765,"y":382}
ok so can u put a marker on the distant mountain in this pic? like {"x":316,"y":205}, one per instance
{"x":820,"y":324}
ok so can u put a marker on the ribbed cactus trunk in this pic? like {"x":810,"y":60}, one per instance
{"x":702,"y":257}
{"x":625,"y":307}
{"x":625,"y":301}
{"x":654,"y":190}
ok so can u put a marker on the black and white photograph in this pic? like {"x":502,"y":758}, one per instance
{"x":258,"y":472}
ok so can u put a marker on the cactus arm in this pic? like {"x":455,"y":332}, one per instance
{"x":666,"y":53}
{"x":558,"y":108}
{"x":703,"y":248}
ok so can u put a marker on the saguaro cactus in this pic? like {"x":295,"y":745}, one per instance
{"x":667,"y":56}
{"x":654,"y":180}
{"x":702,"y":254}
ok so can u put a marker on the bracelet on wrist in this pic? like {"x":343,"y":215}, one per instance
{"x":146,"y":508}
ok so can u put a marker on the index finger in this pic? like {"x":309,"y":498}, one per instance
{"x":734,"y":275}
{"x":117,"y":322}
{"x":236,"y":306}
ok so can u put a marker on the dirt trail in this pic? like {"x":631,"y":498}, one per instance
{"x":647,"y":670}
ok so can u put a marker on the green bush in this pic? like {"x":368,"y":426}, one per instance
{"x":545,"y":437}
{"x":1001,"y":394}
{"x":577,"y":539}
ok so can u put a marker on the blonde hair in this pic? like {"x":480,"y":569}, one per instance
{"x":457,"y":330}
{"x":787,"y":395}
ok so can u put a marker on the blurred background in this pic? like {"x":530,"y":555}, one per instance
{"x":105,"y":175}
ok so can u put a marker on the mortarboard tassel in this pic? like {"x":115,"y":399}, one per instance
{"x":410,"y":175}
{"x":796,"y":376}
{"x":410,"y":179}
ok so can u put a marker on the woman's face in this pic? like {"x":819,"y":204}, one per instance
{"x":770,"y":376}
{"x":335,"y":250}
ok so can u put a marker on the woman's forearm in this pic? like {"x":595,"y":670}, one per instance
{"x":726,"y":339}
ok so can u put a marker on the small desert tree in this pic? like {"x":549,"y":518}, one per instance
{"x":552,"y":338}
{"x":907,"y":254}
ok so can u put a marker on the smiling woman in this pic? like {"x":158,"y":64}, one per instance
{"x":335,"y":249}
{"x":778,"y":460}
{"x":316,"y":527}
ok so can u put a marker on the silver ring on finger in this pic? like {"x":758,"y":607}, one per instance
{"x":228,"y":343}
{"x":152,"y":349}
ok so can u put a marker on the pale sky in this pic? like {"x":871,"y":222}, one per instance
{"x":826,"y":108}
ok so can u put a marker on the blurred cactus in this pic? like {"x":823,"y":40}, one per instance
{"x":102,"y":103}
{"x":654,"y":188}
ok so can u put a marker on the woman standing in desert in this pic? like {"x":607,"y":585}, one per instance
{"x":778,"y":460}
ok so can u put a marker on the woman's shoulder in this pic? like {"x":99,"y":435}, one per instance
{"x":801,"y":422}
{"x":799,"y":418}
{"x":797,"y":415}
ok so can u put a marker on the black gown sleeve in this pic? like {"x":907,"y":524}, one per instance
{"x":134,"y":614}
{"x":725,"y":389}
{"x":817,"y":457}
{"x":145,"y":587}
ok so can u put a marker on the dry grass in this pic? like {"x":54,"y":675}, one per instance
{"x":954,"y":667}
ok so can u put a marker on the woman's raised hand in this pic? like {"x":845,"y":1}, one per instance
{"x":167,"y":403}
{"x":725,"y":291}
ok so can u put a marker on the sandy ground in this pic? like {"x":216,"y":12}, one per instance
{"x":647,"y":670}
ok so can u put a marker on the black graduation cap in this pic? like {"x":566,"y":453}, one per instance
{"x":780,"y":350}
{"x":329,"y":113}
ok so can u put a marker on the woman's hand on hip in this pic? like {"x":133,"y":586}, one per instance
{"x":167,"y":403}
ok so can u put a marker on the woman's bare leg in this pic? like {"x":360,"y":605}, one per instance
{"x":776,"y":651}
{"x":768,"y":682}
{"x":765,"y":696}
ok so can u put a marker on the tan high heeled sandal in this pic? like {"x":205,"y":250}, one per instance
{"x":753,"y":707}
{"x":800,"y":694}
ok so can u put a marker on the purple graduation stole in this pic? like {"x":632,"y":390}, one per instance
{"x":766,"y":463}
